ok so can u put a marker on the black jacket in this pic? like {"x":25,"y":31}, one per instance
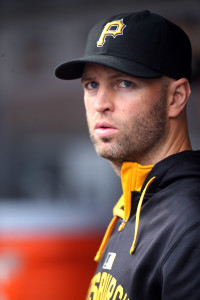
{"x":163,"y":262}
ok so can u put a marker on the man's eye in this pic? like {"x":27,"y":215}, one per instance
{"x":92,"y":85}
{"x":125,"y":83}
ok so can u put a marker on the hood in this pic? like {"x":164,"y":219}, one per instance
{"x":177,"y":166}
{"x":137,"y":178}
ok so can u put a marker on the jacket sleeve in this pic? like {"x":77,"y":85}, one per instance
{"x":181,"y":268}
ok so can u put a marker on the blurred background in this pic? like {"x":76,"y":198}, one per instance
{"x":56,"y":195}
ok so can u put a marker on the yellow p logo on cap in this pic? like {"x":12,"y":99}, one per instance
{"x":107,"y":31}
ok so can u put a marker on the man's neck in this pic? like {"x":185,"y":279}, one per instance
{"x":157,"y":155}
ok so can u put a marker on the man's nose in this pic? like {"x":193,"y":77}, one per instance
{"x":104,"y":100}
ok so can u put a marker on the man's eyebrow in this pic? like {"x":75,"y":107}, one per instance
{"x":86,"y":78}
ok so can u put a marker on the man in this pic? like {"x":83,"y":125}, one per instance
{"x":136,"y":75}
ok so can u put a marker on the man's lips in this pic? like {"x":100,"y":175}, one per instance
{"x":103,"y":129}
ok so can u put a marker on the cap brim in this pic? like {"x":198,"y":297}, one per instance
{"x":73,"y":69}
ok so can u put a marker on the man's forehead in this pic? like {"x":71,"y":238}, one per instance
{"x":93,"y":69}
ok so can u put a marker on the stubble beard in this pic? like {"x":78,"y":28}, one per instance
{"x":137,"y":140}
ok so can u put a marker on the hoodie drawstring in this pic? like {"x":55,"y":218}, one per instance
{"x":137,"y":218}
{"x":114,"y":220}
{"x":105,"y":239}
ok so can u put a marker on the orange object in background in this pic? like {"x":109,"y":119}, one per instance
{"x":47,"y":268}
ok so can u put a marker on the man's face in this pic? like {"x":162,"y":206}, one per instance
{"x":126,"y":115}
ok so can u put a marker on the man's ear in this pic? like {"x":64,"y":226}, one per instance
{"x":179,"y":94}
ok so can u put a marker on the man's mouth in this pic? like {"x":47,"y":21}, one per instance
{"x":104,"y":129}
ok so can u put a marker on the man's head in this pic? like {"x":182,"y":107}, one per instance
{"x":135,"y":74}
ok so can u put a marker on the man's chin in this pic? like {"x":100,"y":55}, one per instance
{"x":107,"y":148}
{"x":104,"y":151}
{"x":108,"y":152}
{"x":101,"y":144}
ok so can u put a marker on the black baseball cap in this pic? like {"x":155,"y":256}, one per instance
{"x":141,"y":44}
